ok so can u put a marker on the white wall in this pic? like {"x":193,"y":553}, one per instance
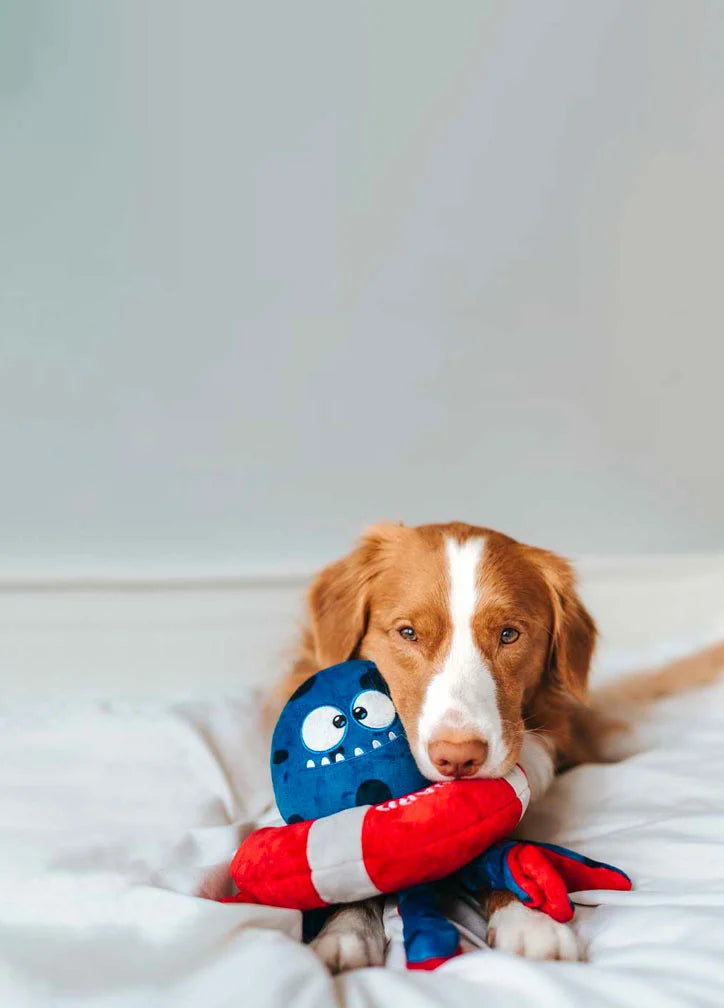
{"x":272,"y":271}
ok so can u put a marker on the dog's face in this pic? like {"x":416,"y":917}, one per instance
{"x":478,"y":636}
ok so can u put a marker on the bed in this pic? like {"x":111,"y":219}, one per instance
{"x":123,"y":793}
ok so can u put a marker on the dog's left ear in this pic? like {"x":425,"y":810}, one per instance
{"x":573,"y":635}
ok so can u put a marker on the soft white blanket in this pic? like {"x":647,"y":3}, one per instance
{"x":112,"y":815}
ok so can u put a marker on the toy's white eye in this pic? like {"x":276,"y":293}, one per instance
{"x":324,"y":728}
{"x":373,"y":709}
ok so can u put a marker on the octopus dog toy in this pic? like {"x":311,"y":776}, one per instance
{"x":363,"y":821}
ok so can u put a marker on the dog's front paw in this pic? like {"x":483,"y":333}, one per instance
{"x":519,"y":930}
{"x":346,"y":950}
{"x":353,"y":938}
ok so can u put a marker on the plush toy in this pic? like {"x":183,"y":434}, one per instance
{"x":362,"y":820}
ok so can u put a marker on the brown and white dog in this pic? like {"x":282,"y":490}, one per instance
{"x":486,"y":647}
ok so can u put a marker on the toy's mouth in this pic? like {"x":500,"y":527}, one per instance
{"x":333,"y":758}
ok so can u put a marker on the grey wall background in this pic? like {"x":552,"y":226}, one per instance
{"x":270,"y":272}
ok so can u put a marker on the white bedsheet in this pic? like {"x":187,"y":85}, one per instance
{"x":111,"y":814}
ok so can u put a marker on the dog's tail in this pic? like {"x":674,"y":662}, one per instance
{"x":609,"y":720}
{"x":645,"y":687}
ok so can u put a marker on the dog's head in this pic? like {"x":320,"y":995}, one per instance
{"x":478,"y":636}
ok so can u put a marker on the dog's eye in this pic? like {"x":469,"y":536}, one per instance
{"x":408,"y":633}
{"x":508,"y":635}
{"x":324,"y":728}
{"x":373,"y":709}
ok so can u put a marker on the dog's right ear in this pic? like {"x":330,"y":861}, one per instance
{"x":573,"y":632}
{"x":338,"y":599}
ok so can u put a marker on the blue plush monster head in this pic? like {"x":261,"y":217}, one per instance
{"x":338,"y":743}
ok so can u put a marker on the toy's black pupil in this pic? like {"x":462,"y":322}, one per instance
{"x":360,"y":713}
{"x":339,"y":720}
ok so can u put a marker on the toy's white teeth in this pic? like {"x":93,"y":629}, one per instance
{"x":324,"y":761}
{"x":376,"y":744}
{"x":310,"y":763}
{"x":339,"y":758}
{"x":391,"y":736}
{"x":359,"y":752}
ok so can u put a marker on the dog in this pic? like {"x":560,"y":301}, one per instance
{"x":486,"y":647}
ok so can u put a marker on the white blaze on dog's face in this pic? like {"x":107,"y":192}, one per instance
{"x":478,"y":636}
{"x":460,"y":712}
